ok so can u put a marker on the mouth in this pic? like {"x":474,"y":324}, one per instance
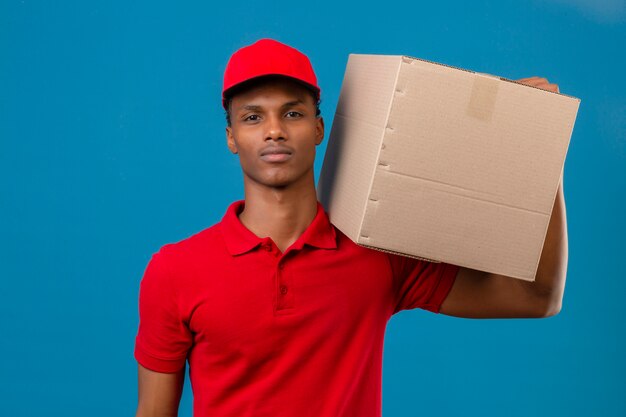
{"x":276,"y":154}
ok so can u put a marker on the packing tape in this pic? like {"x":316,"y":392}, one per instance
{"x":483,"y":97}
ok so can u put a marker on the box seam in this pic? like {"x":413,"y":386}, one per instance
{"x":382,"y":138}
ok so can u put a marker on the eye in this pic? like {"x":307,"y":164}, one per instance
{"x":292,"y":114}
{"x":251,"y":118}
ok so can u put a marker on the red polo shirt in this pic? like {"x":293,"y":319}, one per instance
{"x":266,"y":333}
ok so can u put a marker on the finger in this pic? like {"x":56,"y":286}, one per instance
{"x":548,"y":86}
{"x":527,"y":79}
{"x":553,"y":87}
{"x":538,"y":81}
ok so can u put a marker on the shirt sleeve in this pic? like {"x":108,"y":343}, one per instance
{"x":421,"y":284}
{"x":163,"y":339}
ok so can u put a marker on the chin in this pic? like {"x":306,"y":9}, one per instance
{"x":278,"y":183}
{"x":268,"y":181}
{"x":280,"y":178}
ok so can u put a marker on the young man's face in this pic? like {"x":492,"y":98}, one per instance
{"x":274,"y":130}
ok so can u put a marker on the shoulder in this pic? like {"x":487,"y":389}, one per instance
{"x":345,"y":243}
{"x":193,"y":247}
{"x":348,"y":247}
{"x":195,"y":241}
{"x":399,"y":264}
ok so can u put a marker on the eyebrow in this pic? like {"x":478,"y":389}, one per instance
{"x":251,"y":107}
{"x":293,"y":103}
{"x":255,"y":107}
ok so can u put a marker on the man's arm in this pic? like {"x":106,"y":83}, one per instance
{"x":159,"y":393}
{"x":477,"y":294}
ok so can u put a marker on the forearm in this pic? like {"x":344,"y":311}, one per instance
{"x":159,"y":393}
{"x":549,"y":282}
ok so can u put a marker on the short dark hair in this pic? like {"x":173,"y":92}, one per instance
{"x":253,"y":83}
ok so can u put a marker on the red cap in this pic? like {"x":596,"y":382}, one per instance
{"x":268,"y":57}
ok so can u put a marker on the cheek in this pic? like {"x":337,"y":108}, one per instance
{"x":242,"y":142}
{"x":306,"y":133}
{"x":245,"y":157}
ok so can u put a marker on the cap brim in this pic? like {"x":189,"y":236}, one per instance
{"x":249,"y":83}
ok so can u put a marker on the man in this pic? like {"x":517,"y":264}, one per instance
{"x":278,"y":312}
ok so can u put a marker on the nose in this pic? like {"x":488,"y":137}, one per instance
{"x":275,"y":129}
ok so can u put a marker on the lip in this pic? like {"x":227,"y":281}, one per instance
{"x":276,"y":154}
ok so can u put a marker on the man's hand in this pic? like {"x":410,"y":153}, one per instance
{"x":539,"y":82}
{"x":477,"y":294}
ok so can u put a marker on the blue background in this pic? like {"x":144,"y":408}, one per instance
{"x":112,"y":144}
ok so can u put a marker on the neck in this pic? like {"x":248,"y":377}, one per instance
{"x":282,"y":214}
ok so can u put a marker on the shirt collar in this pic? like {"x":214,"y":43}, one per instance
{"x":320,"y":233}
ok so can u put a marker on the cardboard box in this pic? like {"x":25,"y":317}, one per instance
{"x":445,"y":164}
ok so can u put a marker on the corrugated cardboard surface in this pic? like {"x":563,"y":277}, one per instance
{"x":445,"y":164}
{"x":349,"y":161}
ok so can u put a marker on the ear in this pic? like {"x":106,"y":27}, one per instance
{"x":230,"y":140}
{"x":319,"y":130}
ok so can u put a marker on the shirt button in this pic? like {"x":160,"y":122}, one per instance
{"x":281,"y":266}
{"x":267,"y":247}
{"x":283,"y":289}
